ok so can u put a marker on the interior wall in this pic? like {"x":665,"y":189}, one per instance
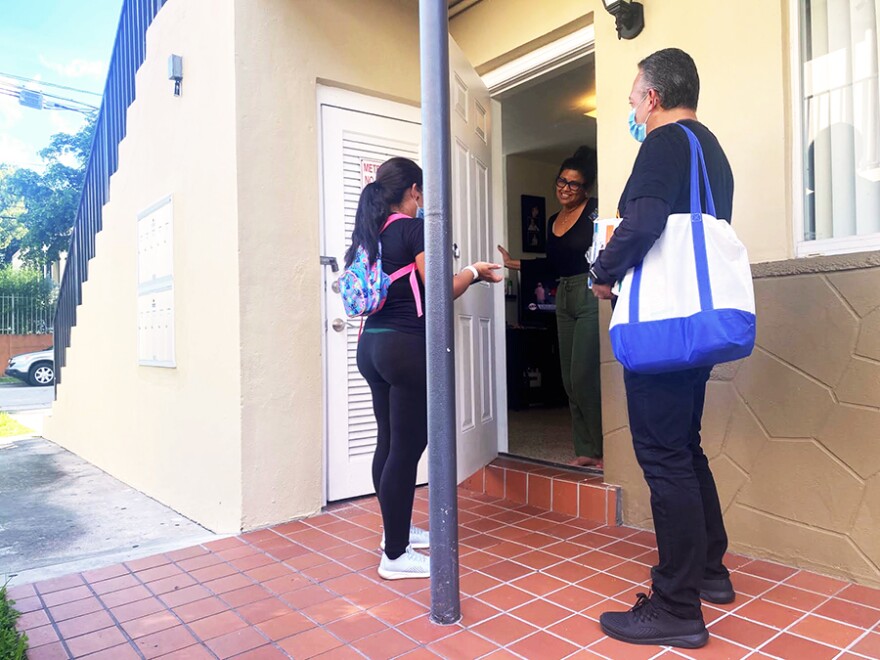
{"x":172,"y":433}
{"x":283,"y":49}
{"x":525,"y":176}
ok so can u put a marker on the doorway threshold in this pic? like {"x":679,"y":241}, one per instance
{"x":567,"y":490}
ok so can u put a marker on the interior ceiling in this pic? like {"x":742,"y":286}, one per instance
{"x":545,"y":120}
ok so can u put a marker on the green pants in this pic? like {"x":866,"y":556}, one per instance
{"x":577,"y":318}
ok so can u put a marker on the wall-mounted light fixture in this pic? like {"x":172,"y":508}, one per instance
{"x":175,"y":72}
{"x":629,"y":17}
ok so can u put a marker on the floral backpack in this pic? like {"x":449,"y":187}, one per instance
{"x":364,"y":286}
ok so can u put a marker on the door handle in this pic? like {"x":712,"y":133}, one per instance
{"x":330,"y":261}
{"x":335,"y":286}
{"x":338,"y":325}
{"x":456,"y":252}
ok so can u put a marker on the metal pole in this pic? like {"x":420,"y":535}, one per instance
{"x":436,"y":157}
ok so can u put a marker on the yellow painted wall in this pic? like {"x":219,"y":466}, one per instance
{"x":171,"y":433}
{"x":284,"y":47}
{"x":741,"y":52}
{"x":744,"y":95}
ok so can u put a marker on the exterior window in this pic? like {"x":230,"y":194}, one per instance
{"x":841,"y":124}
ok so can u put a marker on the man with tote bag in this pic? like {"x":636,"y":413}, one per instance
{"x":686,"y":303}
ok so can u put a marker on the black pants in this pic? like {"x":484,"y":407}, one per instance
{"x":394,"y":365}
{"x":665,"y":414}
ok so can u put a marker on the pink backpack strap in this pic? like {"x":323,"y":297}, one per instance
{"x":406,"y":270}
{"x":413,"y":283}
{"x":394,"y":217}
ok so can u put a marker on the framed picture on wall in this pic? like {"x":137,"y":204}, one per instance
{"x":534,"y":224}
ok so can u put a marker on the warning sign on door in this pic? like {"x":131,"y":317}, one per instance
{"x":368,"y":171}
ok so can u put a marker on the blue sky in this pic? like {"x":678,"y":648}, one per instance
{"x":66,"y":42}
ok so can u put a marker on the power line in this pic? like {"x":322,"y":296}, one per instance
{"x":15,"y":91}
{"x":48,"y":84}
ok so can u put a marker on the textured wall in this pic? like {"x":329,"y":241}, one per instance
{"x":173,"y":434}
{"x":793,"y":432}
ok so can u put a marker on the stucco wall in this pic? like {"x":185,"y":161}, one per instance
{"x":793,"y":432}
{"x":284,"y":48}
{"x":746,"y":105}
{"x":172,"y":433}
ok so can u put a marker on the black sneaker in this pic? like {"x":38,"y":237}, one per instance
{"x":719,"y":592}
{"x":646,"y":623}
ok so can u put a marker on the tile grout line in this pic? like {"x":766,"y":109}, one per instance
{"x":52,"y":621}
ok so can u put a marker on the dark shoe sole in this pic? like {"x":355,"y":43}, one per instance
{"x":695,"y":641}
{"x":718,"y":597}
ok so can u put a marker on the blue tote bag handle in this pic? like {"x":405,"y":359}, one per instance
{"x":698,"y":163}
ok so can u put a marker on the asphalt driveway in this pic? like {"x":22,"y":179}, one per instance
{"x":15,"y":397}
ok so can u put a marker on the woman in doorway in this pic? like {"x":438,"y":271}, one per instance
{"x":569,"y":236}
{"x":391,"y":354}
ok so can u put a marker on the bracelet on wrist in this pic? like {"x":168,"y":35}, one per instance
{"x":473,"y":271}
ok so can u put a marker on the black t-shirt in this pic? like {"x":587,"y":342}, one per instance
{"x":659,"y":185}
{"x":401,"y":242}
{"x":662,"y":170}
{"x":566,"y":254}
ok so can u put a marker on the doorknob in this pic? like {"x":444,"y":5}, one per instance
{"x":335,"y":286}
{"x":456,"y":252}
{"x":338,"y":325}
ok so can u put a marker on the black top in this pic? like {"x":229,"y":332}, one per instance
{"x":566,"y":254}
{"x":659,"y":186}
{"x":401,"y":242}
{"x":663,"y":166}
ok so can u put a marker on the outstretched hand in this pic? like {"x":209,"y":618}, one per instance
{"x":488,"y":272}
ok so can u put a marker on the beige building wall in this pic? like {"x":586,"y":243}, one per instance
{"x":284,"y":49}
{"x":171,"y":433}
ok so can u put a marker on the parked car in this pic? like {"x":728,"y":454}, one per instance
{"x":37,"y":368}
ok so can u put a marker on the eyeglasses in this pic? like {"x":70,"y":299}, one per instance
{"x":573,"y":186}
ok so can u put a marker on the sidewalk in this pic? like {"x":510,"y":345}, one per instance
{"x":533,"y":585}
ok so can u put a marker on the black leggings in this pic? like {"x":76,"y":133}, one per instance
{"x":394,"y":365}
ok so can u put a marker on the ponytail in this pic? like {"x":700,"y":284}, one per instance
{"x":371,"y":214}
{"x":393,"y":178}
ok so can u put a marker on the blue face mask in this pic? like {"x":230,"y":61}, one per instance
{"x":420,"y":213}
{"x":637,"y":130}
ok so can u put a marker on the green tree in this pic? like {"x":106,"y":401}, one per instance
{"x":39,"y":208}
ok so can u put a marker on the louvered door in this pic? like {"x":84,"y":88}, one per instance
{"x":354,"y":144}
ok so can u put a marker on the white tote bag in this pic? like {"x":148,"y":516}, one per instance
{"x":690,"y":303}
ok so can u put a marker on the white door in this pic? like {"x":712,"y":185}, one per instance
{"x":354,"y":142}
{"x":472,"y":235}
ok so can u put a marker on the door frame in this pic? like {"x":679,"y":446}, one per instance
{"x":366,"y":103}
{"x":509,"y":76}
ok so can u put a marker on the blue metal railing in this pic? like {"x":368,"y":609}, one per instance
{"x":129,"y":52}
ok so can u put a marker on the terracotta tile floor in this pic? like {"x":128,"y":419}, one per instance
{"x":533,"y":585}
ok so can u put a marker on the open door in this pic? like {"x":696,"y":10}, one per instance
{"x":475,"y":316}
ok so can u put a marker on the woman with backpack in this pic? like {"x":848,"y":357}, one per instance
{"x":389,"y":226}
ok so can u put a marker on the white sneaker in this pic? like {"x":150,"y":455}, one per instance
{"x":418,"y":538}
{"x":410,"y":564}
